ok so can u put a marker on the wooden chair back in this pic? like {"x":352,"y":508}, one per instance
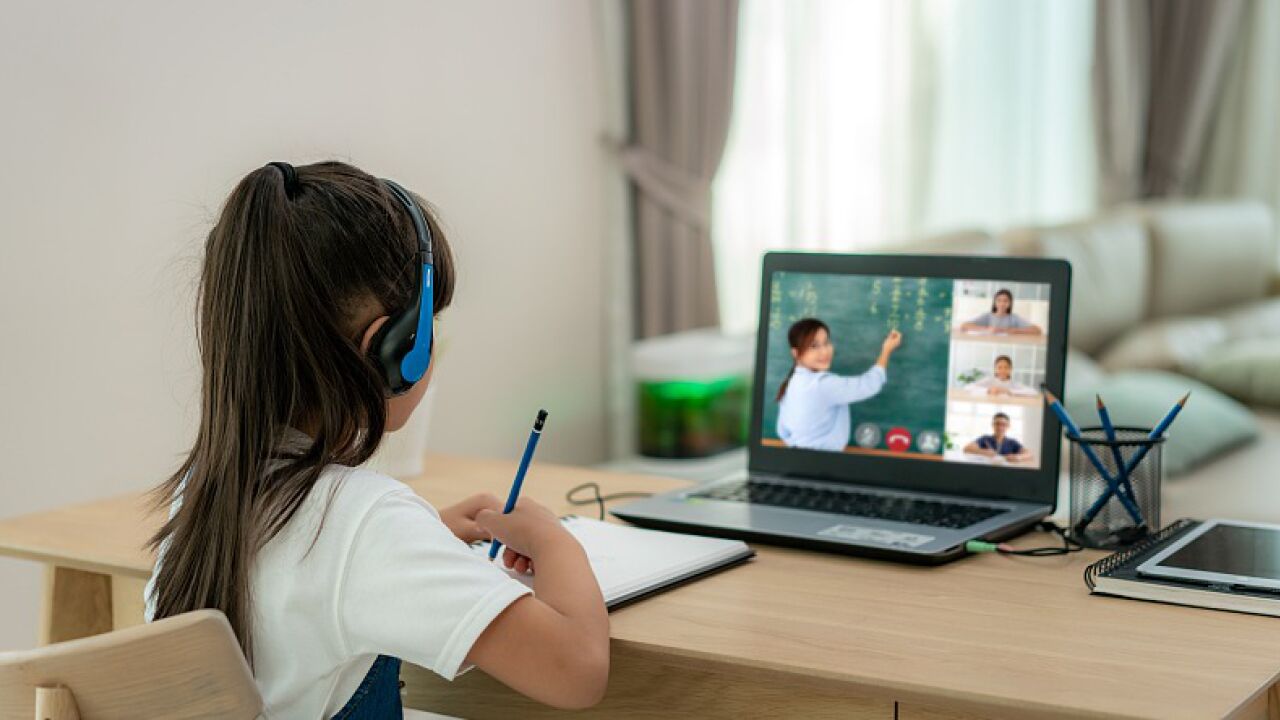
{"x":186,"y":666}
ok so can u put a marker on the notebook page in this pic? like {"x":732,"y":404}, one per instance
{"x":628,"y":559}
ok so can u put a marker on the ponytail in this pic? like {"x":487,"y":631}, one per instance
{"x":782,"y":389}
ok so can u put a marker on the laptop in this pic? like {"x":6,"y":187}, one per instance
{"x":895,"y":409}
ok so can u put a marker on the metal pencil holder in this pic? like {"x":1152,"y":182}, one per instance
{"x":1113,"y":526}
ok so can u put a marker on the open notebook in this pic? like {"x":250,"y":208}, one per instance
{"x":631,"y":563}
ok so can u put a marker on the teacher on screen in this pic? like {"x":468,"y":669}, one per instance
{"x":812,"y":401}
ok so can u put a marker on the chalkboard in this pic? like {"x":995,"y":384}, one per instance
{"x":861,"y":310}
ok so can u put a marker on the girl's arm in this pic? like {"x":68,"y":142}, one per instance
{"x":553,"y":646}
{"x":1021,"y":390}
{"x":978,"y":387}
{"x":461,"y":518}
{"x":839,"y":390}
{"x":844,"y":390}
{"x":1022,"y":327}
{"x":891,"y":343}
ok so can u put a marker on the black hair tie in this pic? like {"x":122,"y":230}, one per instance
{"x":290,"y":178}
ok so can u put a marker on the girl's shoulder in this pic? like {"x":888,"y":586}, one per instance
{"x":339,"y":503}
{"x":358,"y":489}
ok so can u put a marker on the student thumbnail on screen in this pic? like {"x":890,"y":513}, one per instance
{"x":997,"y":446}
{"x":1011,"y":312}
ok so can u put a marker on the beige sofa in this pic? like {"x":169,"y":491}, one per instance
{"x":1157,"y":286}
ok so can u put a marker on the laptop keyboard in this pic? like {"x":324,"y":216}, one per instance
{"x":934,"y":513}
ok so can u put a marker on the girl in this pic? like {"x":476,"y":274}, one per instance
{"x":1001,"y":319}
{"x":330,"y":573}
{"x":1001,"y":381}
{"x":813,"y":410}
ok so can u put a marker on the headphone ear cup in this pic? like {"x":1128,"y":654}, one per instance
{"x":389,"y":346}
{"x":386,"y":349}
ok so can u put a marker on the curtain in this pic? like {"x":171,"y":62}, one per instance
{"x":1243,"y":155}
{"x":1159,"y":72}
{"x":682,"y":57}
{"x":864,"y":124}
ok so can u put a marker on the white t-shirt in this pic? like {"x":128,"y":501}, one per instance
{"x":385,"y":576}
{"x":814,"y":412}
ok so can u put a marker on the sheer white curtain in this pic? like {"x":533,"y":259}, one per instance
{"x":864,"y":123}
{"x":1243,"y":157}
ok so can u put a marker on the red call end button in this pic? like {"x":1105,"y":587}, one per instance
{"x":898,"y":439}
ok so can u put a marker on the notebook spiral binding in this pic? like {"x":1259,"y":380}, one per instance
{"x":1115,"y":560}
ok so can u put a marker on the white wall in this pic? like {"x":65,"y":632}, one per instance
{"x":125,"y":125}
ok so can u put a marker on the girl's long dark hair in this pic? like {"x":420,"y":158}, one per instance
{"x":799,"y":336}
{"x":286,"y":283}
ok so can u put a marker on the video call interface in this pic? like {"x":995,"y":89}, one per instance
{"x":919,"y":368}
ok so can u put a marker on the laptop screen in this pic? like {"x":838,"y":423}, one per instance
{"x":921,"y":368}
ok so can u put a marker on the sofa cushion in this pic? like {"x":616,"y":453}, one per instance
{"x":1210,"y":424}
{"x":1260,"y":319}
{"x":1165,"y":344}
{"x":1208,"y":255}
{"x":1242,"y":485}
{"x":1246,"y":369}
{"x":1108,"y":272}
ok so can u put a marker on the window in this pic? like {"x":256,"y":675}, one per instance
{"x":864,"y":124}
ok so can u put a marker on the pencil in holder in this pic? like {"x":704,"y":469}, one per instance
{"x":1113,"y":524}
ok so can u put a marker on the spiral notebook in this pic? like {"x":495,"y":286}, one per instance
{"x":631,"y":563}
{"x":1118,"y":575}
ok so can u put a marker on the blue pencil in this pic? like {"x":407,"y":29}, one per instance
{"x":519,"y":481}
{"x":1113,"y":484}
{"x":1105,"y":416}
{"x":1156,"y":433}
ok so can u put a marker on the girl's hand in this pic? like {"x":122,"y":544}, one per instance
{"x":891,"y":342}
{"x":516,"y":561}
{"x":526,"y":532}
{"x":461,"y":518}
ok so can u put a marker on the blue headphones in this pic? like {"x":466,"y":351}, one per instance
{"x":402,"y":346}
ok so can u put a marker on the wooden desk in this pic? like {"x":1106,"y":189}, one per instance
{"x":792,"y":634}
{"x":958,"y":335}
{"x":962,"y":395}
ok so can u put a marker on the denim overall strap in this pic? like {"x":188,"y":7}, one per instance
{"x":378,"y":696}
